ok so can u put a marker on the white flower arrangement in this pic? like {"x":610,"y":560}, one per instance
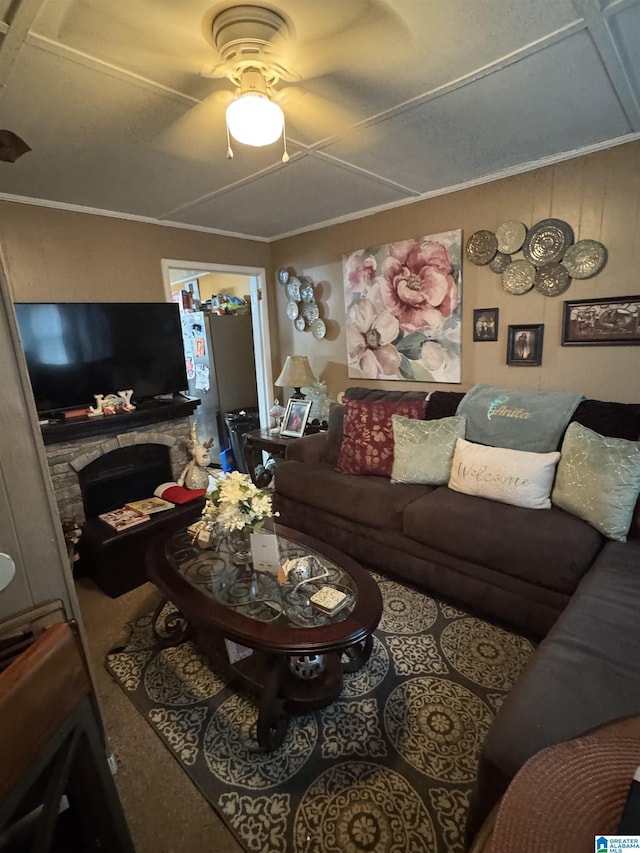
{"x":235,"y":502}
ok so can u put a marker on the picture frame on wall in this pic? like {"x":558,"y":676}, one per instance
{"x":524,"y":345}
{"x":485,"y":324}
{"x":611,"y":321}
{"x":295,"y":417}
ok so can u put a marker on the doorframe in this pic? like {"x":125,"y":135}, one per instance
{"x":259,"y":316}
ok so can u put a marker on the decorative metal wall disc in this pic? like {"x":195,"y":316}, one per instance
{"x":292,"y":310}
{"x":552,"y":279}
{"x":318,"y":329}
{"x":283,"y":275}
{"x":500,"y":262}
{"x":547,"y":241}
{"x":518,"y":277}
{"x":510,"y":236}
{"x":293,"y":289}
{"x":300,"y":323}
{"x":585,"y":258}
{"x":310,"y":311}
{"x":481,"y":247}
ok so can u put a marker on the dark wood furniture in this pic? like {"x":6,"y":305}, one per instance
{"x":51,"y":744}
{"x":115,"y":559}
{"x":197,"y":582}
{"x":262,"y":439}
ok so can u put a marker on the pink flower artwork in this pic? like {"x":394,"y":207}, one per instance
{"x":403,"y":308}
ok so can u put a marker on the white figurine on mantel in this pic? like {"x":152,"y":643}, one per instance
{"x":195,"y":475}
{"x":277,"y":413}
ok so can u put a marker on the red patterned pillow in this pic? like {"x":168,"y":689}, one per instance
{"x":367,"y":444}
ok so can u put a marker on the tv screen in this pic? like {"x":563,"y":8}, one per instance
{"x":75,"y":350}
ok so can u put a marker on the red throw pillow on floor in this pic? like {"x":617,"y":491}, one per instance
{"x":367,"y":443}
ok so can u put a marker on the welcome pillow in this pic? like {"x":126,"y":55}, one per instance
{"x":517,"y":477}
{"x":367,"y":443}
{"x":598,"y":480}
{"x":423,"y":450}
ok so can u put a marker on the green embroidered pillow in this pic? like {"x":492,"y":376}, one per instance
{"x":598,"y":480}
{"x":423,"y":450}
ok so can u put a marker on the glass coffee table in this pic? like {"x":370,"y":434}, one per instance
{"x":265,"y":635}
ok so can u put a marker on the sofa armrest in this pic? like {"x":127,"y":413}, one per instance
{"x":310,"y":448}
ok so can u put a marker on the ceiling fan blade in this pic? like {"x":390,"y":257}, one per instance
{"x":311,"y":117}
{"x":196,"y":131}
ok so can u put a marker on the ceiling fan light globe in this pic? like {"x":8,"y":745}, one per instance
{"x":255,"y":119}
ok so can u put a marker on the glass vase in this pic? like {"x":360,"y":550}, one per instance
{"x":240,"y":544}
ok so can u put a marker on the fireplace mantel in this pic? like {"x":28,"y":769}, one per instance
{"x":149,"y":412}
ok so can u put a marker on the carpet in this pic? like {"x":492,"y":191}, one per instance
{"x":388,"y":768}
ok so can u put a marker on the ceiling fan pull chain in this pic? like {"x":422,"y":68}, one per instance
{"x":229,"y":150}
{"x":285,"y":155}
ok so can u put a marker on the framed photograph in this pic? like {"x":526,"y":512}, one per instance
{"x":612,"y":321}
{"x":524,"y":345}
{"x":485,"y":324}
{"x":295,"y":417}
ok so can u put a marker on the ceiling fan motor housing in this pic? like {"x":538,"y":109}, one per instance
{"x":244,"y":33}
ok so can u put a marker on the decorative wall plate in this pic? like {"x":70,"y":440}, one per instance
{"x":283,"y":275}
{"x":510,"y":237}
{"x":306,"y":293}
{"x":518,"y":277}
{"x":585,"y":258}
{"x":292,"y":310}
{"x":318,"y":329}
{"x":547,"y":241}
{"x":500,"y":262}
{"x":293,"y":289}
{"x":552,"y":279}
{"x":300,"y":323}
{"x":481,"y":247}
{"x":310,"y":311}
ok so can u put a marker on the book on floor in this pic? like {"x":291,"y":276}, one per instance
{"x":148,"y":506}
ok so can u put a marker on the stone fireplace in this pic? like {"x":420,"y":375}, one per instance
{"x":103,"y":472}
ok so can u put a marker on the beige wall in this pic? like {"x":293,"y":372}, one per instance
{"x":213,"y":284}
{"x":599,"y":195}
{"x":59,"y":256}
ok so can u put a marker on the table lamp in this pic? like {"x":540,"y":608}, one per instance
{"x":296,"y":374}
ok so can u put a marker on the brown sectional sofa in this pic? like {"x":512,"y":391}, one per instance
{"x":545,"y":573}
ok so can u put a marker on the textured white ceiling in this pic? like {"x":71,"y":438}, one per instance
{"x":392,"y":99}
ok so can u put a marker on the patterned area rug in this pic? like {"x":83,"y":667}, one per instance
{"x":388,"y":767}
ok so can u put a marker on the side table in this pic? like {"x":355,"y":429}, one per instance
{"x":263,"y":439}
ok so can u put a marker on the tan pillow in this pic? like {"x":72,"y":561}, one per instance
{"x":516,"y":477}
{"x":423,"y":450}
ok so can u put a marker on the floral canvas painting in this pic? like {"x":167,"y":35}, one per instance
{"x":403,"y":303}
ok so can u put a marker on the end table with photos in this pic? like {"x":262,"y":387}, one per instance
{"x":272,"y":634}
{"x":263,"y":439}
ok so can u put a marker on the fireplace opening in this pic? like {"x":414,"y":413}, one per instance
{"x":123,"y":475}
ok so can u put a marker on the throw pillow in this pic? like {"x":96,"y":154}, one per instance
{"x":442,"y":404}
{"x":423,"y":450}
{"x":517,"y":477}
{"x":598,"y":480}
{"x":367,"y":444}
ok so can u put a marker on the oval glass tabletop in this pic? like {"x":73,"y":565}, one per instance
{"x":257,"y":594}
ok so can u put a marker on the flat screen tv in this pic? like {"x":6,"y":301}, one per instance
{"x":75,"y":350}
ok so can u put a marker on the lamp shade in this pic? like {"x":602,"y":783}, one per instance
{"x":255,"y":119}
{"x":296,"y":373}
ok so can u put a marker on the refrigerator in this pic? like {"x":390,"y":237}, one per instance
{"x":221,"y":372}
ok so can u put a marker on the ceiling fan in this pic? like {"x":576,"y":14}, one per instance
{"x":11,"y":146}
{"x":258,"y":52}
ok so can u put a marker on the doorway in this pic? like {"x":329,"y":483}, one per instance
{"x":235,"y":281}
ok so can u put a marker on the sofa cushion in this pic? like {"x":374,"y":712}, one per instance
{"x":617,"y":420}
{"x":367,"y":444}
{"x":585,"y":673}
{"x":335,"y":432}
{"x":516,"y":477}
{"x":551,"y":549}
{"x":377,"y":394}
{"x":423,"y":450}
{"x":367,"y":500}
{"x":442,"y":404}
{"x":598,"y":480}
